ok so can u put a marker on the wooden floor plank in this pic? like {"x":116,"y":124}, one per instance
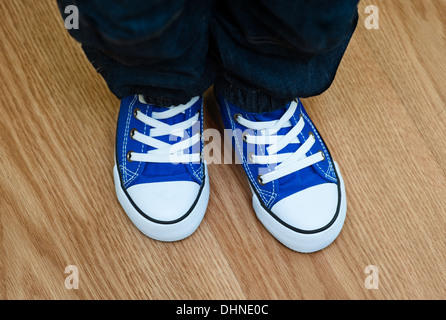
{"x":383,"y":119}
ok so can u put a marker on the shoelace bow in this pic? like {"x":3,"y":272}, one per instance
{"x":164,"y":152}
{"x":288,"y":162}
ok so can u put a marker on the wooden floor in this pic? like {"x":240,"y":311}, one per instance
{"x":384,"y":120}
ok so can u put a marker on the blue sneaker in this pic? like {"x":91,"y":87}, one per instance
{"x":298,"y":191}
{"x":160,"y":178}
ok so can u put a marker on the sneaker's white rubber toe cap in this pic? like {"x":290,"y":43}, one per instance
{"x":309,"y":209}
{"x":164,"y":201}
{"x":165,"y":211}
{"x":309,"y":220}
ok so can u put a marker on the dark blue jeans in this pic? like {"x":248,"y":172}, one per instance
{"x":260,"y":54}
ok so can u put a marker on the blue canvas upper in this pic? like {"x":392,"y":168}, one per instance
{"x":135,"y":172}
{"x":272,"y":192}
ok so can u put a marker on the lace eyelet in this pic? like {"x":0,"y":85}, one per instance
{"x":250,"y":157}
{"x":259,"y":180}
{"x":244,"y":136}
{"x":129,"y":156}
{"x":135,"y":112}
{"x":132,"y":133}
{"x":236,"y":116}
{"x":323,"y":155}
{"x":310,"y":134}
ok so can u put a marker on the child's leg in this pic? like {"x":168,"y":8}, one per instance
{"x":274,"y":51}
{"x":155,"y":48}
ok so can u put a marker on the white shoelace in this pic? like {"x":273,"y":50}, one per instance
{"x":164,"y":152}
{"x":287,"y":162}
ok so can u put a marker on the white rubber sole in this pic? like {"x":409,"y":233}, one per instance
{"x":303,"y":242}
{"x":165,"y":231}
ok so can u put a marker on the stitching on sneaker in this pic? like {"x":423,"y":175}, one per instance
{"x":135,"y":174}
{"x":272,"y":194}
{"x":315,"y":132}
{"x":126,"y":131}
{"x":248,"y":171}
{"x":196,"y":173}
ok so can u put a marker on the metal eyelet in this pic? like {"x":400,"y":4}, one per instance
{"x":250,"y":157}
{"x":132,"y":133}
{"x":129,"y":156}
{"x":323,"y":155}
{"x":135,"y":112}
{"x":260,"y":181}
{"x":236,"y":116}
{"x":244,"y":136}
{"x":310,"y":134}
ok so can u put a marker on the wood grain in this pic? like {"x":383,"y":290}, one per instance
{"x":383,"y":119}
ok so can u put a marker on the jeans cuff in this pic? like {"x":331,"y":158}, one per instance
{"x":161,"y":101}
{"x":249,"y":99}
